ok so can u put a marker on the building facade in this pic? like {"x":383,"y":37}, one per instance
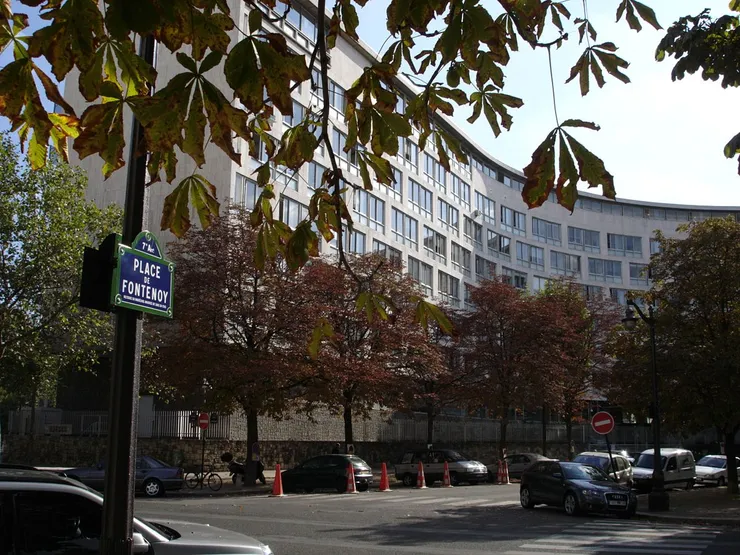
{"x":451,"y":229}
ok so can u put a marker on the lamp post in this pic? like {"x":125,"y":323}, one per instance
{"x":658,"y":499}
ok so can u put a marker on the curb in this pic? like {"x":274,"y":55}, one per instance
{"x":195,"y":494}
{"x":659,"y":517}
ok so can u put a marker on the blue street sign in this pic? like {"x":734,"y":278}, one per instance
{"x":144,"y":281}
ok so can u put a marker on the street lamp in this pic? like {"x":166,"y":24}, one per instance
{"x":658,"y":499}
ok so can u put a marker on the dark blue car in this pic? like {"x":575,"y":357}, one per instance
{"x":153,"y":477}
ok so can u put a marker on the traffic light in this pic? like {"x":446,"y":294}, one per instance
{"x":97,"y":274}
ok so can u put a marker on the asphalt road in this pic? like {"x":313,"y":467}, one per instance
{"x":466,"y":520}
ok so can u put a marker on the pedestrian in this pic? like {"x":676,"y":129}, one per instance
{"x":336,"y":450}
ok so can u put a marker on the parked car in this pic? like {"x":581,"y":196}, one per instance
{"x":517,"y":463}
{"x":578,"y":488}
{"x":621,"y":471}
{"x":153,"y":477}
{"x":712,"y":469}
{"x":47,"y":513}
{"x":327,"y":472}
{"x":462,"y":468}
{"x":678,"y":465}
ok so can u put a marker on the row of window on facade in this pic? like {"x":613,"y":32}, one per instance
{"x":405,"y":230}
{"x":300,"y":23}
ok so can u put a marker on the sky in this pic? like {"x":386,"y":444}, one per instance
{"x":663,"y":141}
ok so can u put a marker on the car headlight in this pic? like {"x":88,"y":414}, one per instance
{"x":591,"y":494}
{"x":266,"y":550}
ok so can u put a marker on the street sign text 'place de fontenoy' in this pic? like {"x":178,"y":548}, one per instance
{"x":143,"y":279}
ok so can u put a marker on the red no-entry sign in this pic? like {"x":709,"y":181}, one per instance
{"x":602,"y":423}
{"x":204,"y":420}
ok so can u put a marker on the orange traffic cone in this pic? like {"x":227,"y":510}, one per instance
{"x":500,"y":475}
{"x":384,"y":483}
{"x":506,"y":472}
{"x":277,"y":485}
{"x":351,"y":487}
{"x":446,"y":482}
{"x":421,"y":483}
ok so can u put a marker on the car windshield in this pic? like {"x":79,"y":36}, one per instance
{"x":646,"y":461}
{"x":581,"y":472}
{"x":714,"y":462}
{"x":357,"y":461}
{"x":455,"y":456}
{"x":593,"y":460}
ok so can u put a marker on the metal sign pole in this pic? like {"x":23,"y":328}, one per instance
{"x":118,"y":504}
{"x":203,"y":459}
{"x":611,"y":460}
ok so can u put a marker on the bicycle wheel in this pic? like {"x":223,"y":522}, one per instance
{"x":214,"y":481}
{"x":191,"y":479}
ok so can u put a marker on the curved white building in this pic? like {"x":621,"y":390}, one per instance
{"x":450,"y":228}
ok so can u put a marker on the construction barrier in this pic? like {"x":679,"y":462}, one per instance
{"x":446,"y":482}
{"x":384,"y":482}
{"x":277,"y":485}
{"x":420,"y":481}
{"x":351,"y":486}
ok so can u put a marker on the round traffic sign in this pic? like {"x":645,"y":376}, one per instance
{"x":203,"y":420}
{"x":602,"y":422}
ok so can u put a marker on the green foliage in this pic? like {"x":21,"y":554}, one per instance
{"x":541,"y":170}
{"x":471,"y":50}
{"x":45,"y":222}
{"x":712,"y":46}
{"x":696,"y":283}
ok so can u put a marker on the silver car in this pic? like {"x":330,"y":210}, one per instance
{"x":462,"y":469}
{"x":621,"y":471}
{"x":54,"y":514}
{"x":516,"y":464}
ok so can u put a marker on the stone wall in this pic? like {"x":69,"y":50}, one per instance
{"x":66,"y":451}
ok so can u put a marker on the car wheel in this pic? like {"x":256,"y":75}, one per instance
{"x":409,"y":480}
{"x":454,"y":480}
{"x":571,"y":504}
{"x":721,"y":482}
{"x":153,"y":487}
{"x":341,"y":485}
{"x":525,"y":499}
{"x":690,"y":484}
{"x":363,"y":487}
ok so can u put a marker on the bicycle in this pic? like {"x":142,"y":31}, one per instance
{"x":209,"y":478}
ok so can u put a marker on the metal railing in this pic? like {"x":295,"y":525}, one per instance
{"x":163,"y":424}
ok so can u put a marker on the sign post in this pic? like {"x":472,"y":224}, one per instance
{"x":203,"y":422}
{"x":603,"y":423}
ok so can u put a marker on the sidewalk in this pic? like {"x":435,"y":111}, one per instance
{"x":700,"y":505}
{"x":230,"y":489}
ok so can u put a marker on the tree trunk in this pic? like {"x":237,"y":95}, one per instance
{"x":430,"y":424}
{"x":347,"y":423}
{"x":731,"y":453}
{"x":544,"y":430}
{"x":569,"y":437}
{"x":504,"y":427}
{"x":252,"y":432}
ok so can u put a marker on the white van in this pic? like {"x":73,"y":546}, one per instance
{"x":679,"y":469}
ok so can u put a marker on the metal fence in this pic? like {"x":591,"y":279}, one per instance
{"x":176,"y":424}
{"x":158,"y":424}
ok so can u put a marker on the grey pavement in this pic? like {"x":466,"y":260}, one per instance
{"x":466,"y":520}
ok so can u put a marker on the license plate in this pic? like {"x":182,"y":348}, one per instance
{"x":618,"y":503}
